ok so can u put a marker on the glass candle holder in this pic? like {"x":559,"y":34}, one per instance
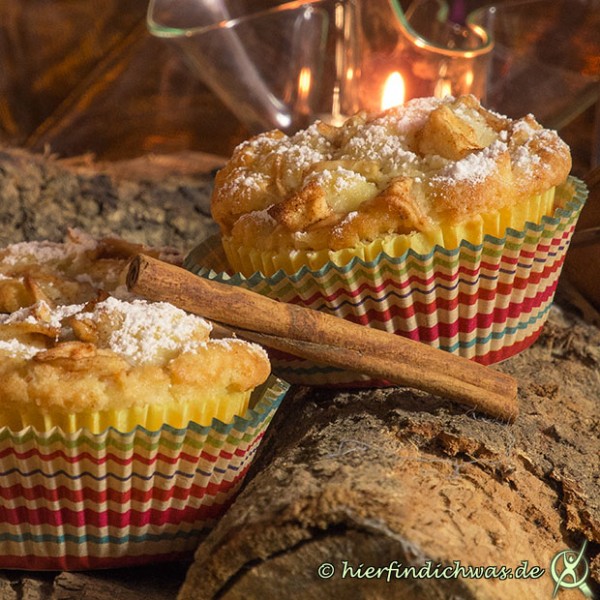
{"x":274,"y":66}
{"x":285,"y":65}
{"x":546,"y":57}
{"x":419,"y":53}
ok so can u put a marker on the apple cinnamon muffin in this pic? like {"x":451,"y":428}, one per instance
{"x":434,"y":171}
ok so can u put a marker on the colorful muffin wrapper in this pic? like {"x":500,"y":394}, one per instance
{"x":485,"y":301}
{"x":83,"y":501}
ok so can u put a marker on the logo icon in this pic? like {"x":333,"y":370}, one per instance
{"x":569,"y":570}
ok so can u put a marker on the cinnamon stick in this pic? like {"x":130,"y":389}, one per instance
{"x":328,"y":339}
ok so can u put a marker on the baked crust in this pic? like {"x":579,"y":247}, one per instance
{"x":408,"y":169}
{"x":69,"y":272}
{"x":105,"y":353}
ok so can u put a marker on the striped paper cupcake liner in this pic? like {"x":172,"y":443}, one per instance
{"x":72,"y":501}
{"x":485,"y":302}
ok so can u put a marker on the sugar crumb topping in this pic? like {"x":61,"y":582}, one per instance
{"x":41,"y":313}
{"x":475,"y":167}
{"x":18,"y":349}
{"x":339,"y":179}
{"x":408,"y":169}
{"x":42,"y":251}
{"x":46,"y":251}
{"x":387,"y":139}
{"x":263,"y":216}
{"x":141,"y":332}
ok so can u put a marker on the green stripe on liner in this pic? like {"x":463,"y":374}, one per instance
{"x":359,"y":275}
{"x":99,"y":543}
{"x":137,"y":442}
{"x":334,"y":277}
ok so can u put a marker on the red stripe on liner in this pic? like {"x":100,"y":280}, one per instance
{"x":104,"y":518}
{"x":157,"y":494}
{"x":105,"y":458}
{"x":503,"y":353}
{"x":414,"y":280}
{"x":134,"y":458}
{"x":461,"y":325}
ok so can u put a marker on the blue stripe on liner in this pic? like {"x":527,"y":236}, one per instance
{"x":544,"y":259}
{"x":99,"y":540}
{"x":541,"y":260}
{"x":394,"y":294}
{"x":153,"y":475}
{"x":494,"y":335}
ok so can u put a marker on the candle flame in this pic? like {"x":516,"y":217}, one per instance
{"x":394,"y":91}
{"x":304,"y":82}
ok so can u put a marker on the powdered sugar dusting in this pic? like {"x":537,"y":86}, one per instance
{"x":241,"y":180}
{"x":228,"y":343}
{"x":524,"y":128}
{"x":291,"y":162}
{"x":349,"y":217}
{"x":415,"y":167}
{"x":45,"y":251}
{"x":263,"y":216}
{"x":143,"y":331}
{"x":40,"y":251}
{"x":377,"y":143}
{"x":524,"y":159}
{"x":40,"y":313}
{"x":379,"y":148}
{"x":18,"y":349}
{"x":405,"y":119}
{"x":42,"y":318}
{"x":339,"y":179}
{"x":475,"y":167}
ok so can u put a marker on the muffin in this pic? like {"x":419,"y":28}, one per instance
{"x":438,"y":220}
{"x":121,"y":364}
{"x":125,"y":427}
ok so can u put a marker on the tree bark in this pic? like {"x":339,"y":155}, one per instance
{"x":155,"y":200}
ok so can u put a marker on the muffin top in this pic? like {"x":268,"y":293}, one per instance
{"x":117,"y":354}
{"x":67,"y":345}
{"x":408,"y":169}
{"x":70,"y":272}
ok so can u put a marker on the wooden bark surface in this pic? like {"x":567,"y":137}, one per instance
{"x":375,"y":476}
{"x":161,"y":200}
{"x":368,"y":476}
